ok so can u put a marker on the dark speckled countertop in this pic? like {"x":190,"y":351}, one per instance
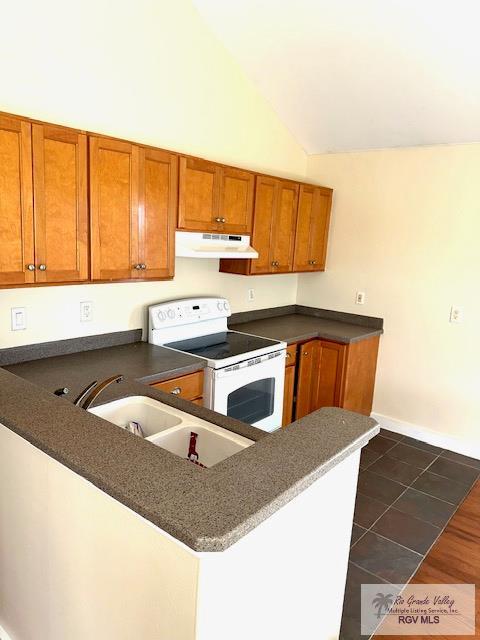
{"x":138,"y":361}
{"x":207,"y":509}
{"x":297,"y":324}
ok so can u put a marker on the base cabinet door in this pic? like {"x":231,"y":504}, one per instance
{"x":288,"y":394}
{"x":320,"y":376}
{"x":60,"y":204}
{"x":114,"y":183}
{"x":17,"y":258}
{"x":307,"y":376}
{"x":327,"y":387}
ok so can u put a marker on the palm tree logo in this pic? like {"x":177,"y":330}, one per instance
{"x":382,"y":601}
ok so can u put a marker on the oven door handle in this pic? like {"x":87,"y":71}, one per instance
{"x":252,"y":365}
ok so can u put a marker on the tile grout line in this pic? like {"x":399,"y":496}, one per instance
{"x":440,"y":529}
{"x":370,"y":528}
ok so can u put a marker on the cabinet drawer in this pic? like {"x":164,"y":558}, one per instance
{"x":291,"y":357}
{"x":188,"y":387}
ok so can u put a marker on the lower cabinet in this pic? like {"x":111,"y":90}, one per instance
{"x":331,"y":374}
{"x":189,"y":387}
{"x":289,"y":388}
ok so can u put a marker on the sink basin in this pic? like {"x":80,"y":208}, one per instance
{"x":153,"y":416}
{"x":172,"y":429}
{"x":213,"y":444}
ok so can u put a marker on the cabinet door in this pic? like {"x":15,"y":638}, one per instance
{"x":329,"y":378}
{"x":288,"y":395}
{"x":60,"y":204}
{"x":236,"y":200}
{"x":302,"y":260}
{"x":320,"y":222}
{"x":114,"y":173}
{"x":16,"y":203}
{"x":265,"y":203}
{"x":283,"y":232}
{"x":158,"y":188}
{"x":307,"y":378}
{"x":312,"y":228}
{"x":199,"y":193}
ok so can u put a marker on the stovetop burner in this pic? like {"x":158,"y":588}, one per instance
{"x":218,"y":346}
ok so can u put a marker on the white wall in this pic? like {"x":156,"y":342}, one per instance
{"x":78,"y":565}
{"x":53,"y":313}
{"x":152,"y":72}
{"x":406,"y":229}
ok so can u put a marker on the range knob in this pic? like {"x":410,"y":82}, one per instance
{"x":171,"y":314}
{"x":161,"y":316}
{"x":225,"y":305}
{"x":220,"y":306}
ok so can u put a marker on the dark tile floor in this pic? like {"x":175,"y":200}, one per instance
{"x":407,"y":492}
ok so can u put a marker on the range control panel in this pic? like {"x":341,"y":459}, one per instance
{"x":187,"y":311}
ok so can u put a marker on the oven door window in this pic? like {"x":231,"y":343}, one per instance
{"x":252,"y":402}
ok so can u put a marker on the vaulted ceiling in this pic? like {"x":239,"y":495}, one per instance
{"x":359,"y":74}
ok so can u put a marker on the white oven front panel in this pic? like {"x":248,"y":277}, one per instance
{"x":251,"y":391}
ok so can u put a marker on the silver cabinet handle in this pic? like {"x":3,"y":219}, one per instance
{"x":137,"y":266}
{"x":223,"y":220}
{"x":287,"y":355}
{"x":176,"y":391}
{"x":275,"y":263}
{"x":305,"y":353}
{"x":31,"y":267}
{"x":42,"y":267}
{"x":218,"y":220}
{"x":143,"y":266}
{"x":314,"y":262}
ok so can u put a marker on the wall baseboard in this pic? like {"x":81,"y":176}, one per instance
{"x":4,"y":635}
{"x":444,"y":441}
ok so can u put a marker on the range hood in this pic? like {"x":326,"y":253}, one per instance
{"x":213,"y":245}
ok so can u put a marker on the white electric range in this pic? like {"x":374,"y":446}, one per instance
{"x":245,"y":374}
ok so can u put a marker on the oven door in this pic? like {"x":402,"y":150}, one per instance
{"x":252,"y":391}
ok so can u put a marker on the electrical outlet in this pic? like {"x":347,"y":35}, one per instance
{"x":456,"y":314}
{"x":86,"y":311}
{"x":251,"y":294}
{"x":360,"y":297}
{"x":19,"y":318}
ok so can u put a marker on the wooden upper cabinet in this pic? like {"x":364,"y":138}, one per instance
{"x":60,"y":204}
{"x":133,"y":202}
{"x":283,"y":229}
{"x":17,"y":259}
{"x":114,"y":201}
{"x":198,"y":198}
{"x":158,"y":190}
{"x":313,"y":220}
{"x":266,"y":197}
{"x":214,"y":198}
{"x":236,"y":200}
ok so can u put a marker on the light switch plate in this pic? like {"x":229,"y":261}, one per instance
{"x":19,"y":318}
